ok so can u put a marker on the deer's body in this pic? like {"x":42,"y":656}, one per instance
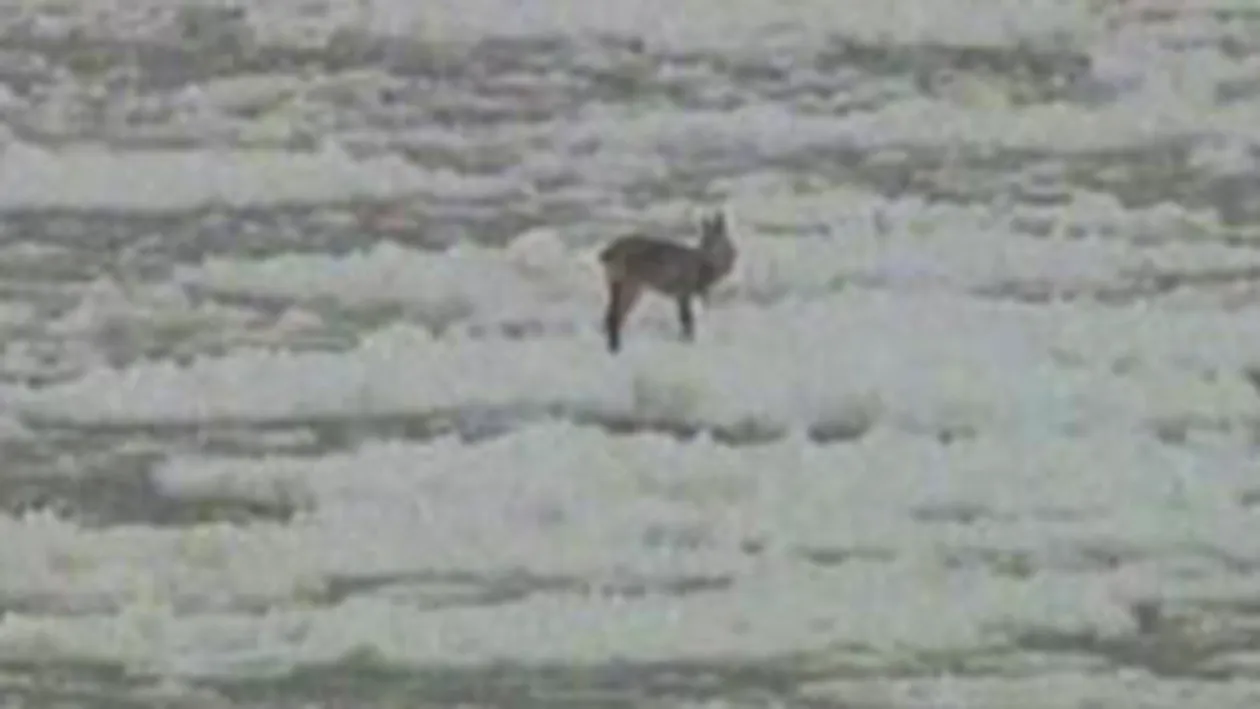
{"x":633,"y":264}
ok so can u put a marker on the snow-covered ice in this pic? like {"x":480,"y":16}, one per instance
{"x":563,"y":501}
{"x":980,"y":396}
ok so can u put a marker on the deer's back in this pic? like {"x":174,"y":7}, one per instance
{"x":666,"y":266}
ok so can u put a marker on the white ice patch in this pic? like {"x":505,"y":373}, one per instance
{"x":15,"y":316}
{"x":11,"y":428}
{"x":109,"y":307}
{"x":434,"y":288}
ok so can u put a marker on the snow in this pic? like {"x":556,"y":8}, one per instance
{"x":581,"y":503}
{"x":577,"y":630}
{"x":928,"y":363}
{"x":908,"y":428}
{"x":566,"y":502}
{"x":860,"y":495}
{"x":936,"y":247}
{"x":894,"y":306}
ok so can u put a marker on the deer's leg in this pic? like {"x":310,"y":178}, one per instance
{"x":686,"y":318}
{"x":622,"y":296}
{"x":612,"y":319}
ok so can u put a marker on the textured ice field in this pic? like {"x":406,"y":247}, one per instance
{"x":303,"y":399}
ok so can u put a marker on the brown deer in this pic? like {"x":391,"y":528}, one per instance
{"x":634,"y":263}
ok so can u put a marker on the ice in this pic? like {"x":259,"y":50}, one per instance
{"x":692,"y":23}
{"x":921,"y":122}
{"x":903,"y":244}
{"x":437,"y":288}
{"x":63,"y":567}
{"x":567,"y":502}
{"x":860,"y":495}
{"x":689,"y":24}
{"x":85,"y":177}
{"x":1056,"y":126}
{"x":858,"y":354}
{"x":857,"y":604}
{"x":924,"y":362}
{"x":243,"y":93}
{"x":915,"y":432}
{"x":1077,"y":434}
{"x":1178,"y":104}
{"x":108,"y":307}
{"x":14,"y":316}
{"x":11,"y":428}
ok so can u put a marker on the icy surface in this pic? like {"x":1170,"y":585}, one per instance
{"x":89,"y":178}
{"x":304,"y":400}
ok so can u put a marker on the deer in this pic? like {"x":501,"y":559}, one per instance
{"x":635,"y":263}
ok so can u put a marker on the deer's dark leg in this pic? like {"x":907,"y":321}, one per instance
{"x":612,"y":317}
{"x":686,"y":318}
{"x":622,"y":296}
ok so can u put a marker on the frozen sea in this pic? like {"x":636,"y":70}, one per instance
{"x":303,"y":401}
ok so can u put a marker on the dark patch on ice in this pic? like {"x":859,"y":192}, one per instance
{"x":1166,"y":649}
{"x":1249,"y":497}
{"x":123,"y":493}
{"x":335,"y":431}
{"x":838,"y":556}
{"x":1252,"y":375}
{"x":1126,"y":289}
{"x":451,"y":589}
{"x":964,"y":513}
{"x":364,"y":676}
{"x":1041,"y":74}
{"x":104,"y":479}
